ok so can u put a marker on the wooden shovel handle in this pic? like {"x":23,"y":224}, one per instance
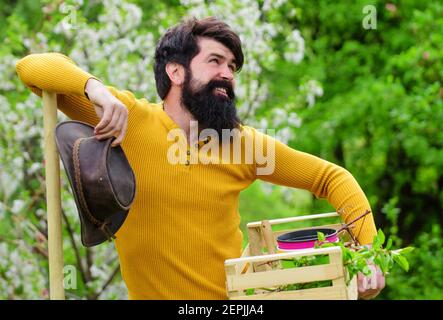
{"x":53,"y":200}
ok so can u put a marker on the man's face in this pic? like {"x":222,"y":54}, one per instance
{"x":208,"y":89}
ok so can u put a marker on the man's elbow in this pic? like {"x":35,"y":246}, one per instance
{"x":24,"y":66}
{"x":20,"y":66}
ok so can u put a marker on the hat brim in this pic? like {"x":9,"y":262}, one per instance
{"x":66,"y":133}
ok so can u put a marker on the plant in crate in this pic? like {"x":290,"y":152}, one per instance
{"x":312,"y":267}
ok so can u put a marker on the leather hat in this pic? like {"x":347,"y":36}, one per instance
{"x":101,"y":179}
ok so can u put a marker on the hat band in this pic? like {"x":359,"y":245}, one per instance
{"x":103,"y":226}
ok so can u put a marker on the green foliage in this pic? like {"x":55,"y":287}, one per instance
{"x":380,"y":114}
{"x":368,"y":100}
{"x":379,"y":117}
{"x":304,"y":262}
{"x":425,"y":279}
{"x":357,"y":259}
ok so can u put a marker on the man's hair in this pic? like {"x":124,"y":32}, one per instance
{"x":179,"y":45}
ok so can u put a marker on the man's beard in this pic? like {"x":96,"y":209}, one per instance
{"x":211,"y":110}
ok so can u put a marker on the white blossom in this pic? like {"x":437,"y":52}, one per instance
{"x":7,"y":72}
{"x":97,"y":272}
{"x":284,"y":135}
{"x":311,"y":89}
{"x":296,"y":47}
{"x":17,"y":206}
{"x":272,"y":4}
{"x":294,"y":120}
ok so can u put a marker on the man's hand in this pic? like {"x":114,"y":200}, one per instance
{"x":369,"y":287}
{"x":112,"y":112}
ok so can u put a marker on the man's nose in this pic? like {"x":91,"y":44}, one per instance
{"x":226,"y":73}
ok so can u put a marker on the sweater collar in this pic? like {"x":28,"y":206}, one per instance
{"x":166,"y":119}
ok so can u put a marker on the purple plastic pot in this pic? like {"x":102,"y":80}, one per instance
{"x":304,"y":239}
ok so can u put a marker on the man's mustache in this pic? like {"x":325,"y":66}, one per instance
{"x":225,"y":84}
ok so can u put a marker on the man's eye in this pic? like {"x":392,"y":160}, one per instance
{"x":216,"y":60}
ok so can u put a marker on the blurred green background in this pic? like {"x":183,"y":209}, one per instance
{"x":358,"y":83}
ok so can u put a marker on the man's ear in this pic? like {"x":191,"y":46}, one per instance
{"x":176,"y":73}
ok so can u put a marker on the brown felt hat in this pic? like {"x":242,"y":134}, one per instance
{"x":101,"y":179}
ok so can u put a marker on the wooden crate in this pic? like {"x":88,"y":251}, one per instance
{"x":261,"y":272}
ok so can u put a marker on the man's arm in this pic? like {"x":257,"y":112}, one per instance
{"x":297,"y":169}
{"x":301,"y":170}
{"x":57,"y":73}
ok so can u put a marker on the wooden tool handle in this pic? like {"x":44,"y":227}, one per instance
{"x":53,"y":199}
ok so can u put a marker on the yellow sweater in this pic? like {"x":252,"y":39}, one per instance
{"x":184,"y":221}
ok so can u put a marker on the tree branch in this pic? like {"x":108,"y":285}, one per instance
{"x":74,"y":246}
{"x":89,"y":263}
{"x":107,"y":283}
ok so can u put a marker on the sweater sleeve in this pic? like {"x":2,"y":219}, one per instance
{"x":324,"y":179}
{"x":55,"y":72}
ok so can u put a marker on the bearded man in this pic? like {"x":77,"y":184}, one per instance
{"x":184,"y":221}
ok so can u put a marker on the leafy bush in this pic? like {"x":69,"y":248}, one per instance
{"x":369,"y":100}
{"x":426,"y":280}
